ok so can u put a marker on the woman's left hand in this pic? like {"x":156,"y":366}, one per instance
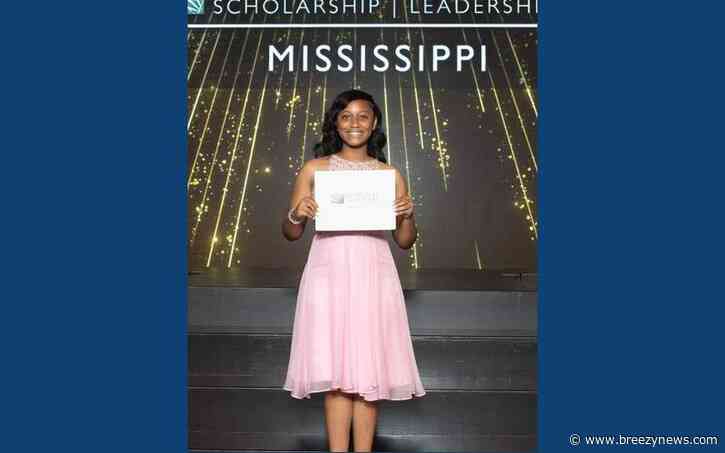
{"x":404,"y":207}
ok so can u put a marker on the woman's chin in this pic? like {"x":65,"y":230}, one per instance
{"x":356,"y":143}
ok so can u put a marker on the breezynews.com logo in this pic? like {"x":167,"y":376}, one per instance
{"x":652,"y":441}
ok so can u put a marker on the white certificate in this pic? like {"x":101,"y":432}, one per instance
{"x":355,"y":200}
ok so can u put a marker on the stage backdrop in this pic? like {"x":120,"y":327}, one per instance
{"x":465,"y":142}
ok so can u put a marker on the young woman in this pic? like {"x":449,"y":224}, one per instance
{"x":351,"y":337}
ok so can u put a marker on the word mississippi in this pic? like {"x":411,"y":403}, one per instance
{"x":346,"y":58}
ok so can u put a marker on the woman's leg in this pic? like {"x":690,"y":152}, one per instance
{"x":338,"y":416}
{"x":364,"y":418}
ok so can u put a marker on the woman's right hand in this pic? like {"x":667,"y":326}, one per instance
{"x":307,"y":207}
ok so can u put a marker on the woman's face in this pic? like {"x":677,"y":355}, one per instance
{"x":356,"y":123}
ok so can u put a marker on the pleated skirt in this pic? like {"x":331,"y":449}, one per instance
{"x":351,"y":330}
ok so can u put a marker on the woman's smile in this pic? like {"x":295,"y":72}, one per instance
{"x":355,"y":136}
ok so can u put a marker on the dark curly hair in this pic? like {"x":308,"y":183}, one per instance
{"x":331,"y":140}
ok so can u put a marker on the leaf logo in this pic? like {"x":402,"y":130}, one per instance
{"x":194,"y":6}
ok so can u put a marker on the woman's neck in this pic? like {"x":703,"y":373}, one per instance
{"x":354,"y":154}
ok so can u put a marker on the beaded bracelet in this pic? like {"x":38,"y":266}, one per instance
{"x":289,"y":217}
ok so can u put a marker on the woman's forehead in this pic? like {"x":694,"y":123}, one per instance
{"x":358,"y":105}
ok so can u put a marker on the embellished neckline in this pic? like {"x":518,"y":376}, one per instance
{"x":359,"y":162}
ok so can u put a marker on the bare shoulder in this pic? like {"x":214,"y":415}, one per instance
{"x":312,"y":165}
{"x":398,"y":175}
{"x":318,"y":163}
{"x":385,"y":166}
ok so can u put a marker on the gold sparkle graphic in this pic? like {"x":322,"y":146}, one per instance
{"x":465,"y":143}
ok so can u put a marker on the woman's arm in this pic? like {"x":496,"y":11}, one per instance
{"x":405,"y":232}
{"x":302,"y":201}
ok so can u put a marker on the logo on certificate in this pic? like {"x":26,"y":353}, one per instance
{"x":355,"y":199}
{"x":194,"y":7}
{"x":337,"y":198}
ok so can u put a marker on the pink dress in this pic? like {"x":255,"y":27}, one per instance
{"x":351,"y":328}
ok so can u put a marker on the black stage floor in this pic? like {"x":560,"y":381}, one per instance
{"x":475,"y":340}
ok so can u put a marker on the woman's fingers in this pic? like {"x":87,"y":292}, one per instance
{"x":404,"y":207}
{"x":307,"y":207}
{"x":402,"y":201}
{"x":312,"y":204}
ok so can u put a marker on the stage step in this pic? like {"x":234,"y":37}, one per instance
{"x":457,"y":313}
{"x":445,"y":363}
{"x":476,"y":351}
{"x":413,"y":279}
{"x":256,"y":419}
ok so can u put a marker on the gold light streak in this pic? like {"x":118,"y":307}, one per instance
{"x":478,"y":255}
{"x":235,"y":147}
{"x":524,"y":192}
{"x":354,"y":46}
{"x":278,"y":92}
{"x":473,"y":72}
{"x":324,"y":87}
{"x":442,"y":157}
{"x":322,"y":112}
{"x":203,"y":79}
{"x":415,"y":84}
{"x":293,"y":100}
{"x":513,"y":98}
{"x":189,"y":35}
{"x":206,"y":121}
{"x":385,"y":102}
{"x":523,"y":76}
{"x":307,"y":109}
{"x":223,"y":213}
{"x":246,"y":176}
{"x":196,"y":54}
{"x":307,"y":116}
{"x":385,"y":95}
{"x":439,"y":142}
{"x":212,"y":166}
{"x":324,"y":91}
{"x":407,"y":166}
